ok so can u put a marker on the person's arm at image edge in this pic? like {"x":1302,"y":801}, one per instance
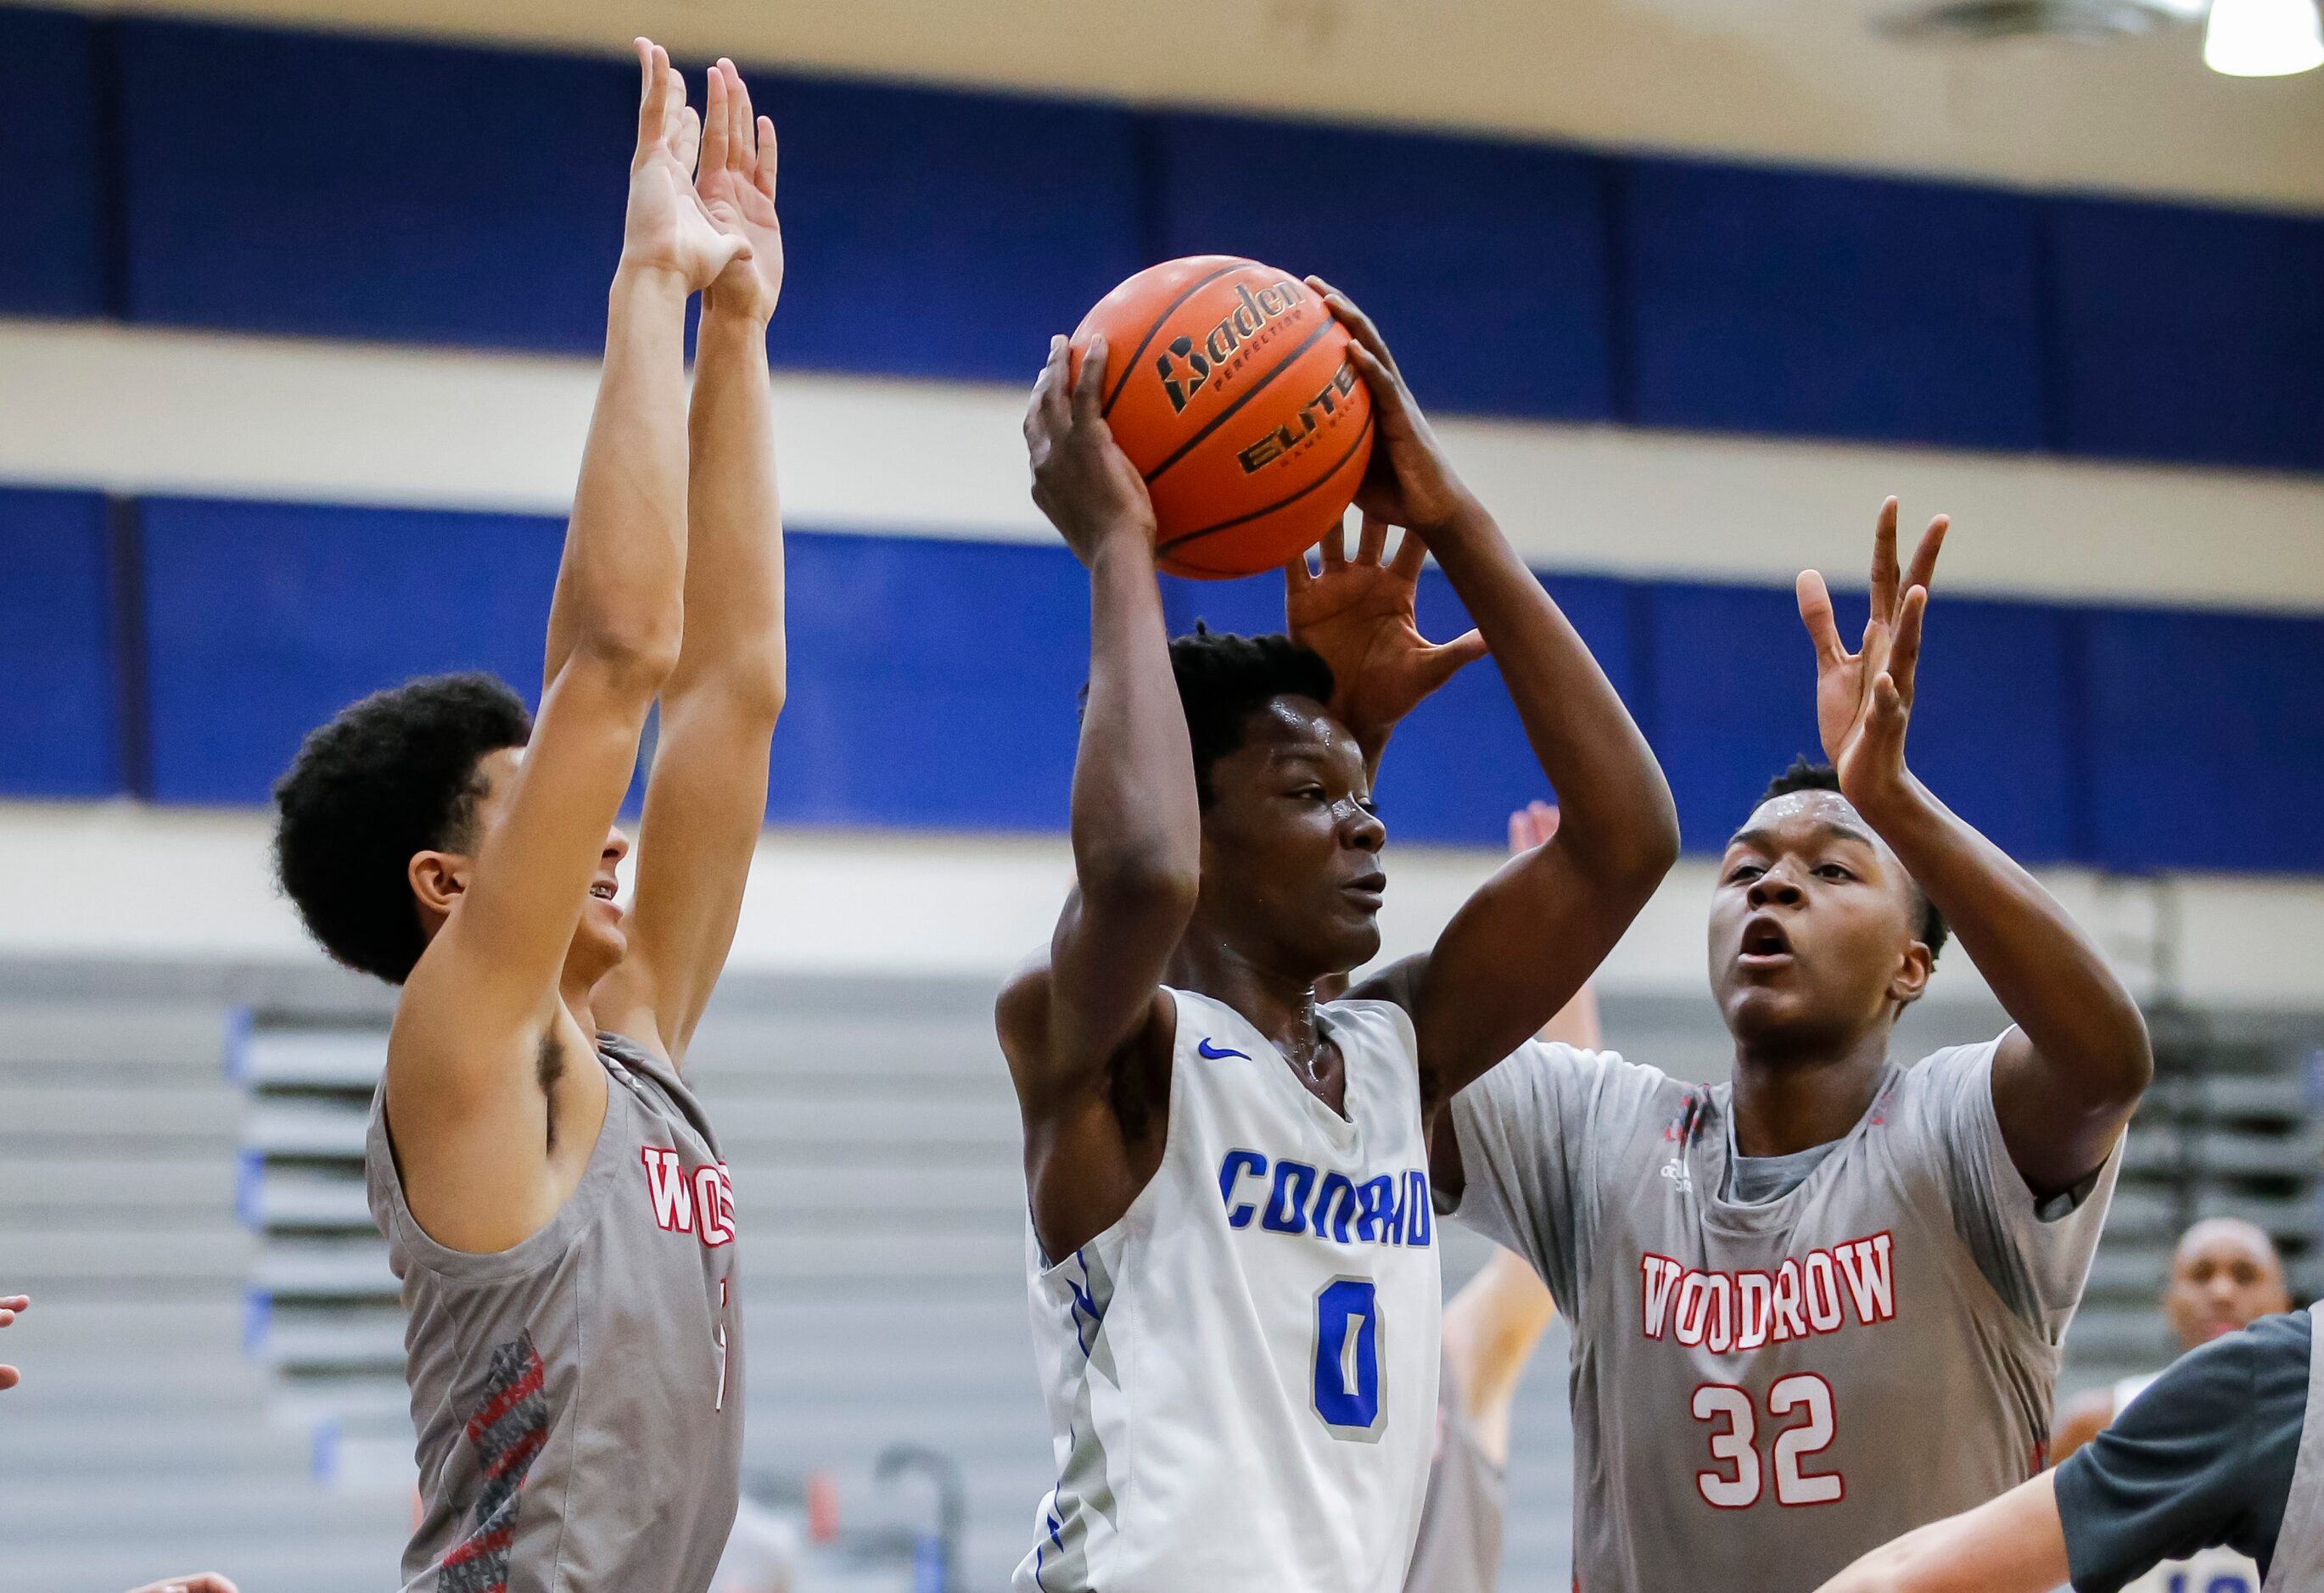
{"x":2012,"y":1544}
{"x":1490,"y":1329}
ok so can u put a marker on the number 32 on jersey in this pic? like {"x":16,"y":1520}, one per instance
{"x":1736,"y":1479}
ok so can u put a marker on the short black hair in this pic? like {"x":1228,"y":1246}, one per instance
{"x":1804,"y":776}
{"x":390,"y":775}
{"x":1222,"y":678}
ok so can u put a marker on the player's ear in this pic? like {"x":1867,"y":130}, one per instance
{"x":1911,"y":980}
{"x":437,"y":879}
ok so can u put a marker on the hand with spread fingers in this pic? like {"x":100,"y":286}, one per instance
{"x":667,"y":227}
{"x":1359,"y":615}
{"x":736,"y":184}
{"x":1864,"y":699}
{"x":1409,"y":483}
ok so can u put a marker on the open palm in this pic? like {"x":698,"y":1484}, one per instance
{"x":736,"y":185}
{"x":1864,"y":699}
{"x":1359,"y":615}
{"x":666,"y":227}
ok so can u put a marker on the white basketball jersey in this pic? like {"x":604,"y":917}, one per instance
{"x":2207,"y":1570}
{"x":1241,"y":1372}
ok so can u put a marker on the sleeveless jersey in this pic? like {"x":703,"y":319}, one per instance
{"x":578,"y":1396}
{"x":1240,"y":1373}
{"x":1774,"y":1389}
{"x":2208,"y":1570}
{"x":1459,"y":1550}
{"x":2297,"y":1566}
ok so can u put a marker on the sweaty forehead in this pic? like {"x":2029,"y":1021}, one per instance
{"x":1294,"y":726}
{"x":1804,"y":817}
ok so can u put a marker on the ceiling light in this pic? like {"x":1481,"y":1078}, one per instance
{"x":2264,"y":38}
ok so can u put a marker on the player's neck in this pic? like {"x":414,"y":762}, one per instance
{"x":1790,"y":1101}
{"x":573,"y":991}
{"x":1281,"y":1006}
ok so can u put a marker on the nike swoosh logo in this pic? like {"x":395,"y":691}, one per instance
{"x":1218,"y":1053}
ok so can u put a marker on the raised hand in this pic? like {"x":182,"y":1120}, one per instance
{"x":10,"y":1305}
{"x":667,"y":228}
{"x":736,"y":184}
{"x":1410,"y":482}
{"x":1082,"y":480}
{"x":1359,"y":615}
{"x":1864,"y":699}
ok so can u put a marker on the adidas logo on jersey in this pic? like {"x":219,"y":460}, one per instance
{"x":1390,"y":1210}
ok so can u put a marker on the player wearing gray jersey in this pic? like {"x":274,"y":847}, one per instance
{"x":1821,"y":1304}
{"x":554,"y":1202}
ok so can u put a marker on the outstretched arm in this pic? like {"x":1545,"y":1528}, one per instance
{"x":464,"y":1095}
{"x":1490,"y":1329}
{"x":2012,"y":1544}
{"x":2067,"y":1076}
{"x":706,"y":798}
{"x":1136,"y":827}
{"x":1524,"y":942}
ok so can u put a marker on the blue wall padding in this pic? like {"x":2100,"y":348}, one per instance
{"x":931,"y":683}
{"x":1482,"y":262}
{"x":936,"y":233}
{"x":359,"y":187}
{"x":263,"y":620}
{"x":52,"y":177}
{"x":58,"y":726}
{"x":1805,"y":303}
{"x":2189,"y":334}
{"x":2207,"y":735}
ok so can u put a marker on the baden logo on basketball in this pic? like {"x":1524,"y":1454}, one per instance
{"x":1252,"y":313}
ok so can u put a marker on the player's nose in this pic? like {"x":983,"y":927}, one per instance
{"x":617,"y":846}
{"x":1776,"y":887}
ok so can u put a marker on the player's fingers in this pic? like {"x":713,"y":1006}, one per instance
{"x":1924,"y":571}
{"x":1334,"y":547}
{"x":717,"y":123}
{"x":1089,"y":387}
{"x":1884,"y":560}
{"x":14,"y":1302}
{"x":1447,"y":662}
{"x":650,"y":110}
{"x":1391,"y":409}
{"x":1547,"y":817}
{"x":1883,"y":726}
{"x":767,"y":156}
{"x":745,"y":121}
{"x":1904,"y":651}
{"x":1358,"y":325}
{"x":9,"y":1377}
{"x":1815,"y":613}
{"x":1411,"y":554}
{"x":684,"y":126}
{"x":1296,"y":576}
{"x":1039,"y":415}
{"x":1520,"y":832}
{"x":1371,"y":539}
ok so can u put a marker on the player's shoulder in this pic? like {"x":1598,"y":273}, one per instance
{"x":1947,"y":1073}
{"x":1600,"y":1080}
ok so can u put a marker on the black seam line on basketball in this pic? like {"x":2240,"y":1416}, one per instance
{"x":1180,"y":541}
{"x":1168,"y":310}
{"x":1252,"y":391}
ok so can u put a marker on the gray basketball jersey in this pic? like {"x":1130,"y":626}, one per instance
{"x":1460,"y":1545}
{"x":578,"y":1397}
{"x":2298,"y":1563}
{"x":1774,"y":1389}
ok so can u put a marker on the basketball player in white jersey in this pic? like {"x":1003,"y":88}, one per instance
{"x":1821,"y":1304}
{"x":2226,"y":1274}
{"x":1233,"y":1270}
{"x":551,"y":1192}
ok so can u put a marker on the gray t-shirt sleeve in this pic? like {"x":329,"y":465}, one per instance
{"x":2035,"y":1253}
{"x":1526,"y":1131}
{"x":2203,"y":1459}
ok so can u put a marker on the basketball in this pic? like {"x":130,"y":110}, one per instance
{"x":1227,"y":384}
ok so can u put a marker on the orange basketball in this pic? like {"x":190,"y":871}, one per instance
{"x":1227,"y":384}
